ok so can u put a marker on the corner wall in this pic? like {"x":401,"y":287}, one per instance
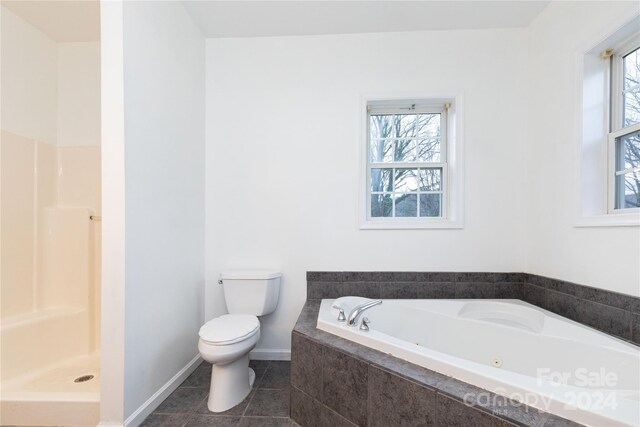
{"x":602,"y":257}
{"x":164,"y":195}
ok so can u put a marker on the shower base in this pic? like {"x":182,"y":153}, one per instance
{"x":51,"y":397}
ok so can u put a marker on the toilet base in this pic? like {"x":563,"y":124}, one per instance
{"x":230,"y":384}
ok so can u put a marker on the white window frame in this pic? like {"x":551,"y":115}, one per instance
{"x":593,"y":121}
{"x":451,"y":161}
{"x":616,"y":129}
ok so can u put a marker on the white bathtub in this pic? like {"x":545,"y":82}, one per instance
{"x":508,"y":347}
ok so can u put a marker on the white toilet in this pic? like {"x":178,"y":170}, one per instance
{"x":226,"y":341}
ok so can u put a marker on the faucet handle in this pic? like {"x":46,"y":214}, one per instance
{"x":364,"y":325}
{"x":341,"y":316}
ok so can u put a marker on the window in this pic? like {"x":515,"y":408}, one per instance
{"x":607,"y":172}
{"x":408,"y":159}
{"x":624,"y":136}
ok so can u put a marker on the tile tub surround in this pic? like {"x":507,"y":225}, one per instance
{"x":610,"y":312}
{"x":336,"y":382}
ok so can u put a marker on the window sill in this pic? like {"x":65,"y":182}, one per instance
{"x":412,"y":224}
{"x":611,"y":220}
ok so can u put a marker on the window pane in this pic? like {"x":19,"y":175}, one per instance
{"x":428,"y":125}
{"x":631,"y":113}
{"x":429,"y":150}
{"x":631,"y":70}
{"x":406,"y":180}
{"x":381,"y":205}
{"x":381,"y":180}
{"x":628,"y":190}
{"x":405,"y":150}
{"x":381,"y":150}
{"x":628,"y":152}
{"x":631,"y":107}
{"x":406,"y":205}
{"x":430,"y":205}
{"x":431,"y":179}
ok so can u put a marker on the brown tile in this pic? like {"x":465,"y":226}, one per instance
{"x":277,"y":375}
{"x":607,"y":319}
{"x":183,"y":400}
{"x":534,"y":295}
{"x":238,"y":410}
{"x":320,"y":290}
{"x":555,"y":421}
{"x":563,"y":304}
{"x":165,"y":420}
{"x":509,"y":277}
{"x":305,"y":410}
{"x":324,"y":276}
{"x":613,"y":299}
{"x":635,"y":328}
{"x":344,"y":385}
{"x":212,"y":421}
{"x":362,"y":289}
{"x":509,"y":290}
{"x":361,"y":276}
{"x":397,"y":276}
{"x":306,"y":365}
{"x":436,"y":276}
{"x":269,"y":403}
{"x":439,"y":290}
{"x":201,"y":377}
{"x":476,"y":277}
{"x":481,"y":290}
{"x":259,"y":374}
{"x":264,"y":422}
{"x":452,"y":413}
{"x":329,"y":418}
{"x":399,"y":290}
{"x":394,"y":401}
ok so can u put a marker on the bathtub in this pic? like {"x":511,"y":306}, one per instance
{"x":508,"y":347}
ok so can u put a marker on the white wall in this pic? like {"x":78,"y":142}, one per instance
{"x":283,"y":144}
{"x":604,"y":257}
{"x":79,"y":94}
{"x":164,"y":194}
{"x":29,"y":86}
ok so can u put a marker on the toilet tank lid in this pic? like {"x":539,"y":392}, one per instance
{"x":250,"y":274}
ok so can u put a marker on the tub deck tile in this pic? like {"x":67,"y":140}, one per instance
{"x":394,"y":401}
{"x":305,"y":363}
{"x":452,"y":413}
{"x":344,"y":385}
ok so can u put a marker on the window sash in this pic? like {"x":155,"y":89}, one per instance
{"x":613,"y":171}
{"x":409,"y":109}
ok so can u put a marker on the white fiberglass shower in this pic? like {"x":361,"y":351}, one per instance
{"x":50,"y":213}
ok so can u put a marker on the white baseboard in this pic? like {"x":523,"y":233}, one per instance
{"x":159,"y":396}
{"x":270,"y":354}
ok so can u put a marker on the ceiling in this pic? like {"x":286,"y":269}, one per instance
{"x":62,"y":21}
{"x":79,"y":20}
{"x":302,"y":17}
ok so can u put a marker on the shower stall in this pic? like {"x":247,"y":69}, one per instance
{"x":50,"y":234}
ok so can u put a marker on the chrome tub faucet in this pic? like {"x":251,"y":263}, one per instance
{"x":352,"y":320}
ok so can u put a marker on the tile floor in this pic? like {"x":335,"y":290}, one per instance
{"x":266,"y":406}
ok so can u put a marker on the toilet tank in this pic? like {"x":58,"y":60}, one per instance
{"x":251,"y":291}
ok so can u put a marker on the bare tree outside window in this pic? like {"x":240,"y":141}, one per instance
{"x":406,"y":164}
{"x":628,"y":146}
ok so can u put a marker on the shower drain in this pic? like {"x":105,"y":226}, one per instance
{"x":83,"y":378}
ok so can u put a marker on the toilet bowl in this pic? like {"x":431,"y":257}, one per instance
{"x":226,"y":341}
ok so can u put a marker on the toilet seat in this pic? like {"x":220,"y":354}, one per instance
{"x":229,"y":329}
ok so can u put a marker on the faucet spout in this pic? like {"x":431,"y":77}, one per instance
{"x":352,"y":320}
